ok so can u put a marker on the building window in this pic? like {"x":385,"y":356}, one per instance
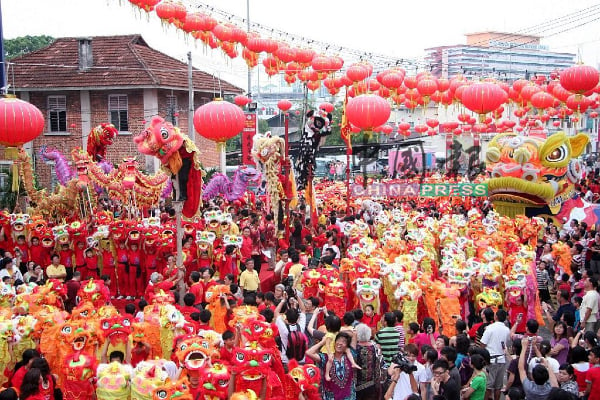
{"x":57,"y":113}
{"x":172,"y":110}
{"x":4,"y":175}
{"x":118,"y":110}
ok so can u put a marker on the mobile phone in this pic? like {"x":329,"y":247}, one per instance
{"x":430,"y":329}
{"x":520,"y":315}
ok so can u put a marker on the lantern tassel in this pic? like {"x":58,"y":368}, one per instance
{"x":15,"y":178}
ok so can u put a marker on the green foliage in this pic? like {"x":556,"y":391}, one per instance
{"x":210,"y":172}
{"x":25,"y":44}
{"x":233,"y":144}
{"x":263,"y":125}
{"x":8,"y":198}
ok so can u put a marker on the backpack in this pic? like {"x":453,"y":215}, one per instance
{"x":296,"y":345}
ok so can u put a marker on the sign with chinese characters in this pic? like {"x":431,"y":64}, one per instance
{"x":247,"y":136}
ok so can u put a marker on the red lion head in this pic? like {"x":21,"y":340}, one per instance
{"x":160,"y":139}
{"x":101,"y":137}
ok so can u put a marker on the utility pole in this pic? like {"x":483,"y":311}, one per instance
{"x":248,"y":29}
{"x":3,"y":86}
{"x":191,"y":130}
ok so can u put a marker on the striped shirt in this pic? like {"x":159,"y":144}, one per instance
{"x":400,"y":329}
{"x":542,"y":278}
{"x":388,"y":338}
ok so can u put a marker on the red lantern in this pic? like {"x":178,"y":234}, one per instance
{"x":223,"y":32}
{"x":284,"y":105}
{"x":171,"y":12}
{"x":483,"y":98}
{"x":577,"y":103}
{"x":556,"y":123}
{"x":241,"y":100}
{"x":508,"y":123}
{"x":427,"y":86}
{"x":421,"y":128}
{"x":327,"y":107}
{"x":594,"y":114}
{"x":368,"y":111}
{"x":20,"y":121}
{"x":403,"y":126}
{"x":579,"y":79}
{"x":386,"y":129}
{"x":432,"y":123}
{"x":357,"y":72}
{"x":542,"y":100}
{"x":219,"y":120}
{"x":146,"y":5}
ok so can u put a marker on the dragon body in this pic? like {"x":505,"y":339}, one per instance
{"x":234,"y":189}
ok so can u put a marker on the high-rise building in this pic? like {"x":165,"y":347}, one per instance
{"x":505,"y":56}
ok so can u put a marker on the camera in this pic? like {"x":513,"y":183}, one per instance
{"x":402,"y":363}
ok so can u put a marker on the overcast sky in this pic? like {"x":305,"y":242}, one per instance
{"x":397,"y":28}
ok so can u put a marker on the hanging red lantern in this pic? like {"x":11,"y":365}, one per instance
{"x":542,"y":100}
{"x":594,"y":114}
{"x":321,"y":63}
{"x":368,"y":111}
{"x":171,"y":12}
{"x":529,"y":91}
{"x":508,"y":123}
{"x":431,"y":132}
{"x":403,"y":126}
{"x":432,"y":123}
{"x":146,"y":5}
{"x":357,"y":72}
{"x":327,"y":107}
{"x":457,"y":131}
{"x":286,"y":54}
{"x":579,"y":79}
{"x":387,"y":129}
{"x":219,"y":120}
{"x":427,"y":86}
{"x":193,"y":22}
{"x":20,"y":121}
{"x":223,"y":32}
{"x":410,"y":82}
{"x":483,"y":98}
{"x":284,"y":105}
{"x":241,"y":100}
{"x":577,"y":103}
{"x":313,"y":85}
{"x":421,"y":128}
{"x":556,"y":123}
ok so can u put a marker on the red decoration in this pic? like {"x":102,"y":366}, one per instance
{"x":146,"y":5}
{"x":579,"y":79}
{"x":542,"y":100}
{"x":357,"y":72}
{"x":20,"y":121}
{"x":219,"y":120}
{"x":556,"y":123}
{"x":241,"y":100}
{"x":594,"y":114}
{"x":368,"y":111}
{"x":483,"y":98}
{"x":171,"y":12}
{"x":284,"y":105}
{"x":327,"y":107}
{"x":386,"y":129}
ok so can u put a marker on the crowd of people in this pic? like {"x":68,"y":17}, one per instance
{"x":362,"y":353}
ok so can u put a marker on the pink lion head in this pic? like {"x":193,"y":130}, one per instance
{"x":160,"y":139}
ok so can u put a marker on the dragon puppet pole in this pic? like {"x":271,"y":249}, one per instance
{"x":178,"y":207}
{"x":348,"y":152}
{"x":286,"y":176}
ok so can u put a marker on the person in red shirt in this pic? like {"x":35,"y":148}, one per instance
{"x":79,"y":256}
{"x":157,"y":283}
{"x":135,"y":277}
{"x":229,"y":262}
{"x":109,"y":265}
{"x":23,"y":247}
{"x":189,"y":256}
{"x":246,"y":249}
{"x":371,"y":319}
{"x":122,"y":267}
{"x":188,"y":308}
{"x":37,"y":252}
{"x":226,"y":351}
{"x":91,"y":265}
{"x":592,"y":378}
{"x":205,"y":317}
{"x":206,"y":282}
{"x":196,"y":288}
{"x":66,"y":259}
{"x":515,"y":309}
{"x":269,"y":240}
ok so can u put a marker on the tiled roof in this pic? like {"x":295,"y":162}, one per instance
{"x":117,"y":61}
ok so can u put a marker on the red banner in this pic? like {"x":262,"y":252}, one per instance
{"x":247,"y":135}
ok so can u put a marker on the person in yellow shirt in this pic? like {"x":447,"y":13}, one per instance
{"x":249,"y":281}
{"x":56,"y":270}
{"x":296,"y":270}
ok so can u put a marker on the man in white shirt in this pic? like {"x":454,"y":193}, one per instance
{"x":294,"y":321}
{"x":589,"y":305}
{"x":495,"y":338}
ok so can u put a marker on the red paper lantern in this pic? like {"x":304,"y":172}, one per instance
{"x":578,"y":103}
{"x":387,"y":129}
{"x":327,"y":107}
{"x":223,"y":32}
{"x":556,"y":123}
{"x":368,"y":111}
{"x":594,"y":114}
{"x":427,"y":86}
{"x":483,"y":98}
{"x":219,"y":120}
{"x":146,"y":5}
{"x":357,"y":72}
{"x":20,"y":121}
{"x":171,"y":12}
{"x":542,"y":100}
{"x":284,"y":105}
{"x":421,"y":128}
{"x":241,"y":100}
{"x":579,"y":79}
{"x":404,"y":126}
{"x":432,"y":123}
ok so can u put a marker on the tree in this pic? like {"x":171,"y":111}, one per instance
{"x":25,"y":44}
{"x":263,"y":125}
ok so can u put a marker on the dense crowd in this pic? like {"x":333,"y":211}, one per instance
{"x":362,"y":353}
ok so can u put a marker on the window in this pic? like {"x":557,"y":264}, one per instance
{"x":4,"y":175}
{"x":57,"y":113}
{"x":172,"y":110}
{"x":117,"y":108}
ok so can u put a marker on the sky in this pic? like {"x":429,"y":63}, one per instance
{"x":398,"y":28}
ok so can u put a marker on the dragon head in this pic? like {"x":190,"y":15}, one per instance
{"x":194,"y":352}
